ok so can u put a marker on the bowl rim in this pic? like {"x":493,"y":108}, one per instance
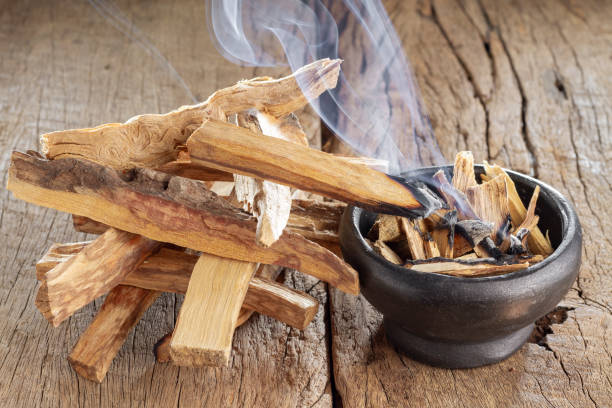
{"x":570,"y":227}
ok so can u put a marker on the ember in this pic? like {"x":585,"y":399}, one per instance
{"x":485,"y":229}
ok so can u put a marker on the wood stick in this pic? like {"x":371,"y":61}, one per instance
{"x":169,"y":270}
{"x":490,"y":203}
{"x":91,"y":273}
{"x":206,"y":321}
{"x":531,"y":220}
{"x":386,"y":228}
{"x":461,"y":269}
{"x":461,"y":246}
{"x":316,"y":220}
{"x":463,"y":172}
{"x":231,"y":148}
{"x":414,"y":239}
{"x":58,"y":253}
{"x":454,"y":198}
{"x":269,"y":202}
{"x":383,"y":250}
{"x":441,"y":224}
{"x":167,"y":209}
{"x":537,"y":241}
{"x":376,"y":164}
{"x":150,"y":140}
{"x":93,"y":354}
{"x":185,"y":168}
{"x":162,"y":348}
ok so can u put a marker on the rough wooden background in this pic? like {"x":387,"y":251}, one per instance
{"x":526,"y":84}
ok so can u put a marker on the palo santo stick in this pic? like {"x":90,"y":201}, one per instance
{"x":231,"y":148}
{"x":169,"y":270}
{"x":184,"y":168}
{"x":58,"y":253}
{"x":461,"y":269}
{"x":167,"y":209}
{"x":386,"y":228}
{"x":206,"y":321}
{"x":162,"y":348}
{"x":295,"y":308}
{"x":383,"y":250}
{"x":91,"y":273}
{"x":150,"y":140}
{"x":490,"y":202}
{"x":97,"y":346}
{"x":413,"y":236}
{"x":536,"y":240}
{"x":454,"y":198}
{"x":376,"y":164}
{"x":531,"y":220}
{"x":316,"y":220}
{"x":441,"y":227}
{"x":431,"y":247}
{"x":463,"y":172}
{"x":269,"y":202}
{"x":87,"y":225}
{"x":441,"y":238}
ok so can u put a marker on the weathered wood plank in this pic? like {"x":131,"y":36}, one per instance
{"x":523,"y":84}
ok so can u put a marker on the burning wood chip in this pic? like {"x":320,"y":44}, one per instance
{"x":476,"y":235}
{"x":474,"y":230}
{"x":538,"y":243}
{"x":454,"y":198}
{"x":383,"y":249}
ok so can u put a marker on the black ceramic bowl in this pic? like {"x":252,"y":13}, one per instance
{"x":458,"y":322}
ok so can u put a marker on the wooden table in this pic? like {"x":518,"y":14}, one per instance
{"x":527,"y":85}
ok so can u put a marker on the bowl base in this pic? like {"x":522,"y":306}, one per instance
{"x":455,"y":355}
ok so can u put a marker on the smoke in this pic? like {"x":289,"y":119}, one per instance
{"x":376,"y":107}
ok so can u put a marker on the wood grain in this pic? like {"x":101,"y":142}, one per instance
{"x":169,"y":270}
{"x":314,"y":219}
{"x":230,"y":148}
{"x":91,"y":273}
{"x":93,"y":354}
{"x":487,"y":71}
{"x":205,"y":325}
{"x":151,"y":140}
{"x":167,"y":209}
